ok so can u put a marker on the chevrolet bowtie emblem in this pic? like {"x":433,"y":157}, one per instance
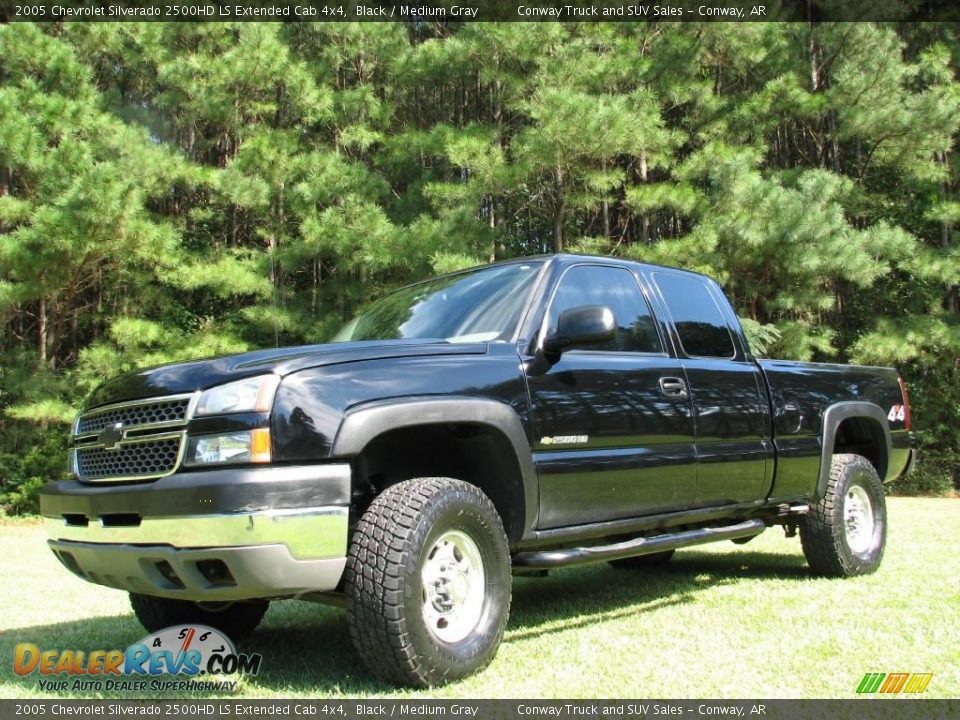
{"x":111,"y":436}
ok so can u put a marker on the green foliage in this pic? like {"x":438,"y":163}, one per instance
{"x":935,"y":476}
{"x":760,"y":337}
{"x":22,"y":474}
{"x":169,"y":191}
{"x":450,"y":262}
{"x":43,"y":412}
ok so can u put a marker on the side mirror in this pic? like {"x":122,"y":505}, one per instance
{"x":579,"y":326}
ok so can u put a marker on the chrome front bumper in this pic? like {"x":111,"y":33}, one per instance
{"x":248,"y":550}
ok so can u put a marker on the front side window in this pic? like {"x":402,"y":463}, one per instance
{"x":617,"y":289}
{"x":703,"y":331}
{"x":479,"y":306}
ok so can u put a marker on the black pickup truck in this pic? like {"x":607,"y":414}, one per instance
{"x":514,"y":418}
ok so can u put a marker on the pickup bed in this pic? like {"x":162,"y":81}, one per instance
{"x":510,"y":419}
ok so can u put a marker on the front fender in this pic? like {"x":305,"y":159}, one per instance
{"x":363,"y":424}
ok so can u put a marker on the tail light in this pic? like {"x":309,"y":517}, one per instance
{"x":906,"y":403}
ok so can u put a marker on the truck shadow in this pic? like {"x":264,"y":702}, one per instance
{"x":306,"y":647}
{"x":578,"y":597}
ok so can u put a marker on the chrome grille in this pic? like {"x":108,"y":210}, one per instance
{"x":151,"y":413}
{"x":152,"y":458}
{"x":139,"y":440}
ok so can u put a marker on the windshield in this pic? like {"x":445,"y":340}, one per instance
{"x":479,"y":306}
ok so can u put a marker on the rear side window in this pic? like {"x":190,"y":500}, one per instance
{"x":618,"y":290}
{"x":703,"y":331}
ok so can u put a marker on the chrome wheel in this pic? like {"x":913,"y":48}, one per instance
{"x":453,"y":587}
{"x":858,"y":519}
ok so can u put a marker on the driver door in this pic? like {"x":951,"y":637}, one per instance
{"x":610,"y":442}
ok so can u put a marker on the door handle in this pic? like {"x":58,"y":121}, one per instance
{"x":673,"y":387}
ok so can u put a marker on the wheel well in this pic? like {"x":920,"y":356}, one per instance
{"x":475,"y":453}
{"x":863,"y":436}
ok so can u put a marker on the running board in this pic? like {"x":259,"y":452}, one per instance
{"x":638,"y":546}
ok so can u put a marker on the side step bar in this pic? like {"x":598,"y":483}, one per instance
{"x":544,"y":559}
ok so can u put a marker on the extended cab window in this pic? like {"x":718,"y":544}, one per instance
{"x":618,"y":290}
{"x":703,"y":331}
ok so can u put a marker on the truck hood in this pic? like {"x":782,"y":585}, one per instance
{"x":202,"y":374}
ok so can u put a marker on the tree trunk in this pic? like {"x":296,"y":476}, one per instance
{"x":42,"y":332}
{"x":74,"y":334}
{"x":645,"y":218}
{"x":99,"y":306}
{"x":951,"y":298}
{"x":493,"y":225}
{"x":606,"y":208}
{"x":559,"y":212}
{"x":281,"y":224}
{"x":816,"y":84}
{"x":814,"y":50}
{"x":271,"y":246}
{"x":232,"y":238}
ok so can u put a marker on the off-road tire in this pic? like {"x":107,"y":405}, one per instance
{"x":386,"y":596}
{"x":233,"y":619}
{"x":644,"y":561}
{"x":823,"y":531}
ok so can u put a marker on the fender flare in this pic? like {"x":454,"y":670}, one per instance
{"x":832,"y":417}
{"x":364,"y":423}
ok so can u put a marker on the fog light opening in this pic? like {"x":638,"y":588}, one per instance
{"x":216,"y":573}
{"x":166,"y":570}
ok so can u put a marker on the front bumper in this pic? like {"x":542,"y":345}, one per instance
{"x":215,"y":536}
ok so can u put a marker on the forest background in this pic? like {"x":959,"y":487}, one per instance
{"x":172,"y":191}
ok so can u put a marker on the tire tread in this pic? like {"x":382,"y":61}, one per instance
{"x":380,"y":551}
{"x":821,"y":532}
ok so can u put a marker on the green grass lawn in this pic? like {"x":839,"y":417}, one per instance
{"x":722,"y":621}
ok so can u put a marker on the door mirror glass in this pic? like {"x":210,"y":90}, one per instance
{"x":581,"y":326}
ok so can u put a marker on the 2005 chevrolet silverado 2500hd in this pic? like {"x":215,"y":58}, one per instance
{"x":518,"y":417}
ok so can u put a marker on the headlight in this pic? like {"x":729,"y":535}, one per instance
{"x":249,"y":446}
{"x":251,"y":395}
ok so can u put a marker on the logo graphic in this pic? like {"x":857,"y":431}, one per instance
{"x":898,"y":413}
{"x":565,"y":440}
{"x":894,"y":683}
{"x":111,"y":436}
{"x":187,"y":650}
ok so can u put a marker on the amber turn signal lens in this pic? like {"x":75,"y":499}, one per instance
{"x":260,"y":445}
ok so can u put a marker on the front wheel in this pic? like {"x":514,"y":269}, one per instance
{"x":845,"y":533}
{"x":428,"y":582}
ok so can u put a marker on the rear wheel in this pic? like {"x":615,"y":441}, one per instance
{"x":235,"y":619}
{"x":428,"y":582}
{"x":644,"y":561}
{"x":845,"y":533}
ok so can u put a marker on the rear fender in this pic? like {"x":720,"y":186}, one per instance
{"x":832,"y":417}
